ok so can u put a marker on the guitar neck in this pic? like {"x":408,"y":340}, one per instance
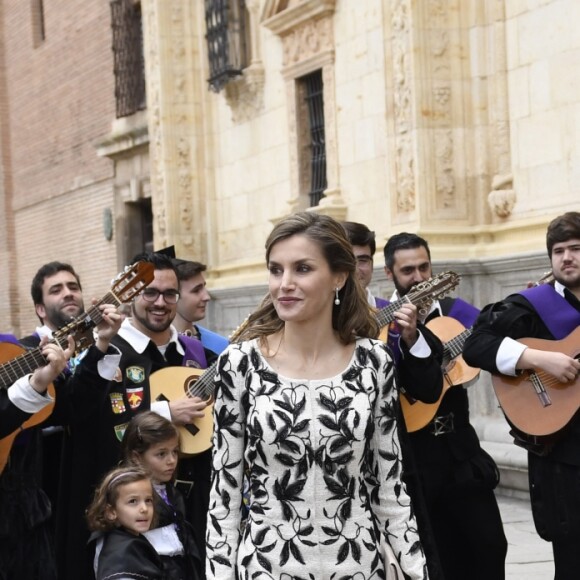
{"x":205,"y":385}
{"x":24,"y":364}
{"x":33,"y":359}
{"x":386,"y":315}
{"x":453,"y":348}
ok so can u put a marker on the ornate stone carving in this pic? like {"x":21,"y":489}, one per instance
{"x":441,"y":119}
{"x":502,"y":198}
{"x":307,"y":40}
{"x":245,"y":94}
{"x":404,"y":160}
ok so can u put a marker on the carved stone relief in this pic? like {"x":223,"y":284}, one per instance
{"x":404,"y":161}
{"x":170,"y":151}
{"x":441,"y":105}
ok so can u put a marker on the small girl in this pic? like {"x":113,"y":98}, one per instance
{"x":121,"y":512}
{"x":151,"y":442}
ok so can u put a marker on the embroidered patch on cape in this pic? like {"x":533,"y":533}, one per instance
{"x":117,"y":404}
{"x":135,"y":396}
{"x":135,"y":374}
{"x":192,"y":363}
{"x":120,"y":431}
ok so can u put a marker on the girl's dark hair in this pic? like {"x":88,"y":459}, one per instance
{"x":107,"y":494}
{"x":145,"y":429}
{"x":353,"y":317}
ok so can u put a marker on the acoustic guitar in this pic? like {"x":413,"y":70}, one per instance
{"x":18,"y":361}
{"x":535,"y":402}
{"x":455,"y":371}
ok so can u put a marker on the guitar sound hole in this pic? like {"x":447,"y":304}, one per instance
{"x":189,"y":387}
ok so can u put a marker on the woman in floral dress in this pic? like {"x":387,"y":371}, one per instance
{"x":306,"y":409}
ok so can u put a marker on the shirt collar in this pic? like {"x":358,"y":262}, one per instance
{"x":559,"y":288}
{"x":43,"y":331}
{"x":140,"y":341}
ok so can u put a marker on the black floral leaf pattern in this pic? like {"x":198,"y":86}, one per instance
{"x":295,"y":550}
{"x":285,"y":459}
{"x":268,"y":548}
{"x":301,"y":426}
{"x":247,"y":559}
{"x":264,"y":562}
{"x":328,"y":422}
{"x":242,"y":367}
{"x":284,"y":554}
{"x":343,"y":552}
{"x":355,"y":550}
{"x":327,"y":403}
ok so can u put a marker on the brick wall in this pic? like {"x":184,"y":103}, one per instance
{"x":58,"y":102}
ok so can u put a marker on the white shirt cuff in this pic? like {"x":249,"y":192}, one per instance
{"x":420,"y":349}
{"x":26,"y":398}
{"x":161,"y":408}
{"x":108,"y":365}
{"x":508,"y":355}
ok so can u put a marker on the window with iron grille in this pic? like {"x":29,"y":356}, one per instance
{"x":313,"y":93}
{"x":128,"y":56}
{"x":228,"y":48}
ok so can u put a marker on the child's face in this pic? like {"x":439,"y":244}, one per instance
{"x":133,"y":509}
{"x":161,"y":460}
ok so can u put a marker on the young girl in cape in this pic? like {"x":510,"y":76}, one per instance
{"x":151,"y":442}
{"x":121,"y":512}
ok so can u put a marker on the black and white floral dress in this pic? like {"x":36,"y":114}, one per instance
{"x":324,"y":465}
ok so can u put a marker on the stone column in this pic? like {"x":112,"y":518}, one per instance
{"x":176,"y":90}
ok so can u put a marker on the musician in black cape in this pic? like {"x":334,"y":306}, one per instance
{"x":551,"y":312}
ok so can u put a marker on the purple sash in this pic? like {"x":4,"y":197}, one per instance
{"x":9,"y":338}
{"x":559,"y":316}
{"x":194,"y":354}
{"x":381,"y":302}
{"x":463,"y":312}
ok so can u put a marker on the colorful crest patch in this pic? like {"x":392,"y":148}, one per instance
{"x":117,"y":404}
{"x":120,"y":431}
{"x":135,"y":397}
{"x":135,"y":374}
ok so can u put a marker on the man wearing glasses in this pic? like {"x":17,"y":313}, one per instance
{"x":364,"y":248}
{"x":148,"y":342}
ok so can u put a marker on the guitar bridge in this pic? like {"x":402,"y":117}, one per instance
{"x":540,"y":390}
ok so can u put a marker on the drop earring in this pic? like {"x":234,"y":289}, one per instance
{"x":336,"y":299}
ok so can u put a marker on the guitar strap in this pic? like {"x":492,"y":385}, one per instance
{"x":559,"y":316}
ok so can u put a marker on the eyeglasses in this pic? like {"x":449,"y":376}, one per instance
{"x":151,"y":295}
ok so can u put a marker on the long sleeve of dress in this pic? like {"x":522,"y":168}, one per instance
{"x":390,"y":501}
{"x":224,"y":516}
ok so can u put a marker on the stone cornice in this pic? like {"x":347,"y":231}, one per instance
{"x":283,"y":21}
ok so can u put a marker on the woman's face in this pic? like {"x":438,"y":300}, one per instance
{"x":301,"y":284}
